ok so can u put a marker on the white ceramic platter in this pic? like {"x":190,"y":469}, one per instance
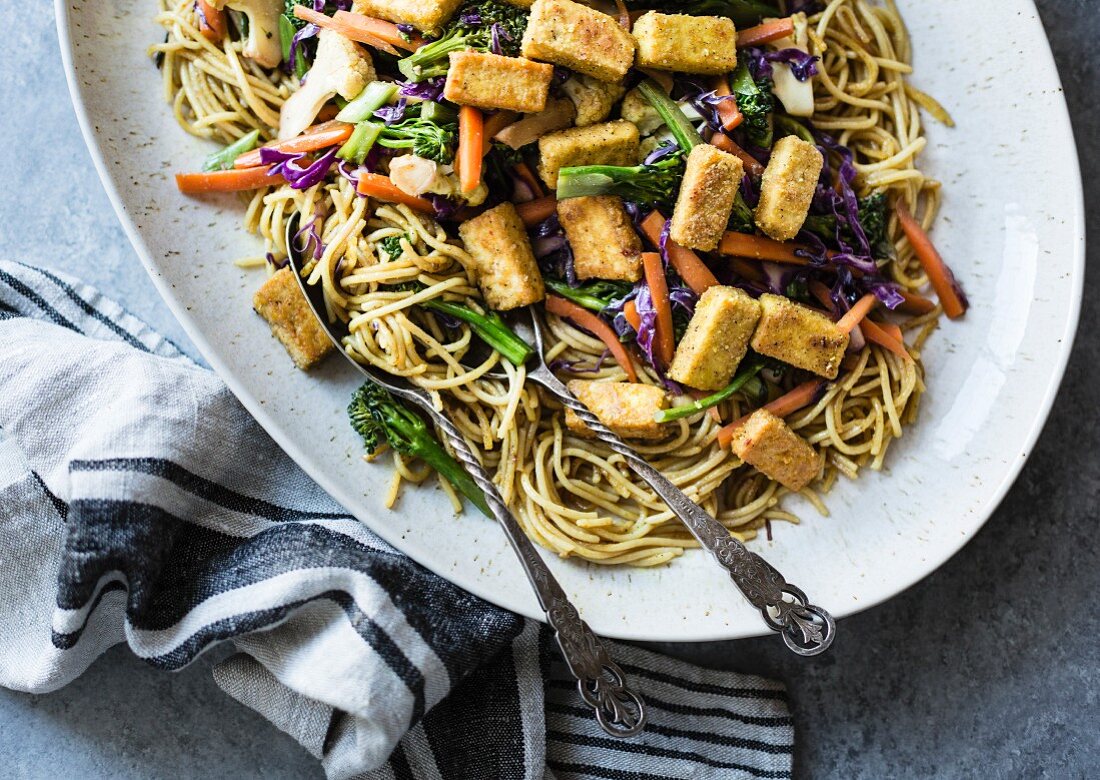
{"x":1013,"y":232}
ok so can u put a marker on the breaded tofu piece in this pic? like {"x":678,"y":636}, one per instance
{"x":711,"y":180}
{"x":635,"y":108}
{"x":769,"y":445}
{"x":578,"y":37}
{"x":608,"y":143}
{"x":787,"y":187}
{"x":280,"y":301}
{"x":688,"y":44}
{"x":627,"y":408}
{"x":492,"y":81}
{"x":507,"y":272}
{"x":716,"y":340}
{"x":602,"y":237}
{"x":424,"y":15}
{"x":593,"y":99}
{"x":798,"y":335}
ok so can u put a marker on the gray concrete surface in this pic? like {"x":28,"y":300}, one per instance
{"x":988,"y":668}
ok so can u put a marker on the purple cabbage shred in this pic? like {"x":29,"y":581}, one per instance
{"x":287,"y":164}
{"x":428,"y":89}
{"x":391,"y":115}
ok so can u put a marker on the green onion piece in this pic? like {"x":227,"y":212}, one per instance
{"x":490,"y":328}
{"x":685,"y":133}
{"x":362,"y":138}
{"x":223,"y":159}
{"x":746,"y":373}
{"x":287,"y":30}
{"x":373,"y":97}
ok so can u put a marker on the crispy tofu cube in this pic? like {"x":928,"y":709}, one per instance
{"x":787,"y":187}
{"x":602,"y":237}
{"x":716,"y":340}
{"x":506,"y":269}
{"x":609,"y":143}
{"x":688,"y":44}
{"x":593,"y":99}
{"x":424,"y":15}
{"x":798,"y":335}
{"x":635,"y":108}
{"x":627,"y":408}
{"x":280,"y":301}
{"x":492,"y":81}
{"x":711,"y":180}
{"x":769,"y":445}
{"x":578,"y":37}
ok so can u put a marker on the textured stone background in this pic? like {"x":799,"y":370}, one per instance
{"x":988,"y":668}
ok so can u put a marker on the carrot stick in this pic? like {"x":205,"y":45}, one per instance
{"x":535,"y":211}
{"x":471,"y":131}
{"x":233,"y":180}
{"x":316,"y":137}
{"x":624,"y":15}
{"x":761,"y":248}
{"x":943,"y":281}
{"x":747,"y":269}
{"x":365,"y":29}
{"x":658,"y":291}
{"x":892,"y":330}
{"x":723,"y":142}
{"x":211,"y":21}
{"x":765,"y":33}
{"x":597,"y":327}
{"x":630,"y":314}
{"x":524,"y":172}
{"x":787,"y":404}
{"x":855,"y":315}
{"x":875,"y":332}
{"x":728,"y":111}
{"x":915,"y":304}
{"x":494,"y":123}
{"x":691,"y":269}
{"x":380,"y":187}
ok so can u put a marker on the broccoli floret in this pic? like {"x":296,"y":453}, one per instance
{"x":648,"y":184}
{"x":391,"y":245}
{"x":511,"y":22}
{"x":472,"y":28}
{"x":379,"y":418}
{"x":425,"y":139}
{"x":741,"y":218}
{"x":755,"y":102}
{"x":872,"y":215}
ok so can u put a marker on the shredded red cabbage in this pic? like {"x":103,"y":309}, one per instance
{"x":660,"y":153}
{"x":803,"y":65}
{"x":299,"y":178}
{"x":391,"y":115}
{"x":445,"y":208}
{"x":312,"y":236}
{"x":406,"y":29}
{"x":550,"y":246}
{"x":428,"y":89}
{"x":298,"y":42}
{"x":571,"y":366}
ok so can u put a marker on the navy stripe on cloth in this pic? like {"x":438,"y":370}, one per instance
{"x":720,"y":690}
{"x":89,"y":310}
{"x":51,"y":313}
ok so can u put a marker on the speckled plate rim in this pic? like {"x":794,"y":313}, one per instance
{"x":978,"y":515}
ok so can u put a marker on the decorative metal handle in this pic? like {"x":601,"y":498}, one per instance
{"x":600,"y":682}
{"x":806,"y":629}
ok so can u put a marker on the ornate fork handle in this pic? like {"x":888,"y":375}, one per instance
{"x":806,"y":629}
{"x":600,"y":682}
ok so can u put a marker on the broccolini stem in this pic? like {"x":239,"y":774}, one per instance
{"x":431,"y":452}
{"x":360,"y":143}
{"x":222,"y":160}
{"x":682,"y":130}
{"x":490,"y":328}
{"x":576,"y":294}
{"x":746,"y":373}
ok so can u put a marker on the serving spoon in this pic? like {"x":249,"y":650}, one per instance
{"x":602,"y":685}
{"x":806,"y":629}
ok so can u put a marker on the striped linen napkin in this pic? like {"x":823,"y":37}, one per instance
{"x":140,"y":503}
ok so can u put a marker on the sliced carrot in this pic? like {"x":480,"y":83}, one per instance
{"x":819,"y":290}
{"x":624,"y":15}
{"x":915,"y":304}
{"x":761,"y":248}
{"x":233,"y":180}
{"x":597,"y":327}
{"x":658,"y":291}
{"x":535,"y":211}
{"x":380,"y":34}
{"x":327,"y":113}
{"x":317,"y":137}
{"x":211,"y":21}
{"x":471,"y":132}
{"x":494,"y":123}
{"x":892,"y":330}
{"x":728,"y":111}
{"x":691,"y":269}
{"x":874,"y":332}
{"x":723,"y":142}
{"x":854,"y":316}
{"x":943,"y":281}
{"x":747,"y":269}
{"x":630,"y":314}
{"x":377,"y":186}
{"x":524,"y":172}
{"x":787,"y":404}
{"x":765,"y":33}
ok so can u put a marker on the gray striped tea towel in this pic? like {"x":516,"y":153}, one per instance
{"x":140,"y":503}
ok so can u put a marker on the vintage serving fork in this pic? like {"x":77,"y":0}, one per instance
{"x":600,"y":682}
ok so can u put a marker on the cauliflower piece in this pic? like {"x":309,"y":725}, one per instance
{"x":415,"y":176}
{"x":635,"y":108}
{"x":340,"y":68}
{"x":263,"y":45}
